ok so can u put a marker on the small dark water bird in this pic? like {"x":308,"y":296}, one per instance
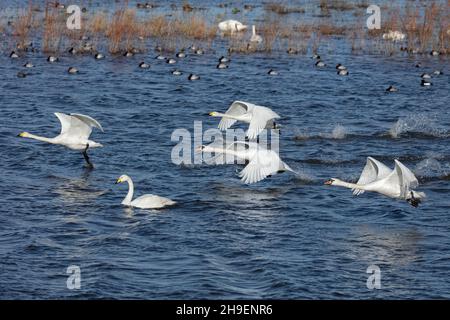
{"x":144,"y":65}
{"x":343,"y":72}
{"x":292,"y":51}
{"x":177,"y":72}
{"x":193,"y":77}
{"x":21,"y":74}
{"x":434,"y":53}
{"x":320,"y":64}
{"x":181,"y":54}
{"x":223,"y":59}
{"x":72,"y":50}
{"x":160,"y":57}
{"x":52,"y":59}
{"x":425,"y":76}
{"x":391,"y":89}
{"x":438,"y":72}
{"x":340,"y":67}
{"x":199,"y":51}
{"x":425,"y":83}
{"x":128,"y":54}
{"x":28,"y":65}
{"x":13,"y":55}
{"x":99,"y":56}
{"x":222,"y":65}
{"x":171,"y":61}
{"x":72,"y":70}
{"x":316,"y":56}
{"x":272,"y":72}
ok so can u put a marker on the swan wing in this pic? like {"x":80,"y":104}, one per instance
{"x":260,"y":117}
{"x":151,"y":201}
{"x":373,"y":170}
{"x":239,"y":152}
{"x":88,"y":120}
{"x":264,"y":163}
{"x":406,"y":179}
{"x":237,"y":108}
{"x":76,"y":125}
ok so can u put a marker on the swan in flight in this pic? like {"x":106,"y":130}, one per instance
{"x":146,"y":201}
{"x":255,"y":38}
{"x":261,"y":162}
{"x":377,"y":177}
{"x":232,"y":26}
{"x":75,"y":132}
{"x":258,"y":117}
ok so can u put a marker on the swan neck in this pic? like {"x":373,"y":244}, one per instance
{"x":127,"y":200}
{"x":254,"y":30}
{"x":39,"y":138}
{"x":348,"y":185}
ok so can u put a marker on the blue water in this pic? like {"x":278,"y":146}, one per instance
{"x":288,"y":236}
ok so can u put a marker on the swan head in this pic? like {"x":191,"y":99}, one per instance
{"x":122,"y":178}
{"x":213,"y":114}
{"x":23,"y":134}
{"x":331,"y":181}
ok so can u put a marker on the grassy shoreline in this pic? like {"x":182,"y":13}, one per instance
{"x":136,"y":27}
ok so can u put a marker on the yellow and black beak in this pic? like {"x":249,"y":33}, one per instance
{"x":329,"y":182}
{"x":118,"y":181}
{"x":22,"y":134}
{"x":212,"y":114}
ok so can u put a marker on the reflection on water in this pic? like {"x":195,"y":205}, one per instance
{"x":77,"y":190}
{"x":394,"y":248}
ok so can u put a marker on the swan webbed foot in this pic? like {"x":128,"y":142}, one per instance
{"x":86,"y":158}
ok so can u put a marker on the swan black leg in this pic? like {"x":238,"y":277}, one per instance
{"x":414,"y":201}
{"x":86,"y":157}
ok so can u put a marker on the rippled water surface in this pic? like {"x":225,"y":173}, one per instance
{"x":288,"y":236}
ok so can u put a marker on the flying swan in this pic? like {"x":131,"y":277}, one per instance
{"x":146,"y":201}
{"x":231,"y":26}
{"x":75,"y":132}
{"x":262,"y":163}
{"x":258,"y":117}
{"x":377,"y":177}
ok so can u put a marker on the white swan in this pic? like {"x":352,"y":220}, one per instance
{"x":377,"y":177}
{"x":147,"y":201}
{"x":258,"y":117}
{"x":255,"y":38}
{"x":231,"y":26}
{"x":262,"y":162}
{"x":75,"y":132}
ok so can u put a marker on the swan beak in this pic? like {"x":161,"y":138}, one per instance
{"x":22,"y":134}
{"x":212,"y":114}
{"x":118,"y":181}
{"x":328,"y":182}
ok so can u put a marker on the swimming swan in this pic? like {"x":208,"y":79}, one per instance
{"x":377,"y":177}
{"x":258,"y":117}
{"x":147,"y":201}
{"x":231,"y":26}
{"x":75,"y":132}
{"x":262,"y":163}
{"x":255,"y":38}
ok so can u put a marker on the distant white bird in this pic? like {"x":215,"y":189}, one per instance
{"x":258,"y":117}
{"x":75,"y":132}
{"x":255,"y":38}
{"x":231,"y":26}
{"x":377,"y":177}
{"x":146,"y":201}
{"x":262,"y":162}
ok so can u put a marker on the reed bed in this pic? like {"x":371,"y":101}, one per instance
{"x":425,"y":24}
